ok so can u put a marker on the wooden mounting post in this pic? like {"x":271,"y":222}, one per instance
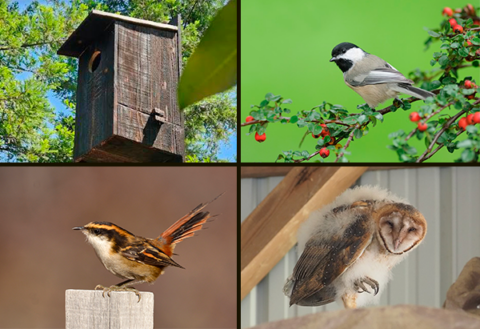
{"x":89,"y":309}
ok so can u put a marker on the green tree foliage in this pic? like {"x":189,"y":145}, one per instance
{"x":32,"y":130}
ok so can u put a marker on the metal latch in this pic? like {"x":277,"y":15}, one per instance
{"x":160,"y":115}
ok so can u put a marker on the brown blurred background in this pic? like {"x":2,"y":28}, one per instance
{"x":41,"y":256}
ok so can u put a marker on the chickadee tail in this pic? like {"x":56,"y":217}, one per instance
{"x":186,"y":226}
{"x":408,"y":89}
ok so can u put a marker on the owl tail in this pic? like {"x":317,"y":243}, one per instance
{"x":186,"y":226}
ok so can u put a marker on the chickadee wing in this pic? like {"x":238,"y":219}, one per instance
{"x":385,"y":75}
{"x":145,"y":253}
{"x":324,"y":259}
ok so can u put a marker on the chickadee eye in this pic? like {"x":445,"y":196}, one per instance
{"x":412,"y":229}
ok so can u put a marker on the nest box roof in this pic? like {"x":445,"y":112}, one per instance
{"x":96,"y":22}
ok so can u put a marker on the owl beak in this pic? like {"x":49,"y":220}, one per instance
{"x":397,"y":243}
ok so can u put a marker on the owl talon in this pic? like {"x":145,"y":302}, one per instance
{"x":359,"y":284}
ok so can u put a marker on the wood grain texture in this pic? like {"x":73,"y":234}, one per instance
{"x":270,"y":230}
{"x":88,"y":309}
{"x":94,"y":114}
{"x":138,"y":73}
{"x":271,"y":171}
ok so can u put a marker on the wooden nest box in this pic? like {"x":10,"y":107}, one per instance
{"x":128,"y":75}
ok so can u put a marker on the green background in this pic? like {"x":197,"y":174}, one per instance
{"x":285,"y":50}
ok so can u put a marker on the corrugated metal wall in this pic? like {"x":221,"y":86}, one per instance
{"x":447,"y":197}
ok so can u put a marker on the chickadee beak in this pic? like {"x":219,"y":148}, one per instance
{"x":333,"y":59}
{"x":78,"y":228}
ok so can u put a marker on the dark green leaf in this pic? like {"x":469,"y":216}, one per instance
{"x":472,"y":129}
{"x":358,"y":134}
{"x":475,"y":41}
{"x":463,"y":52}
{"x":379,"y":116}
{"x":264,"y":103}
{"x":287,"y":101}
{"x":468,"y":155}
{"x":293,"y":119}
{"x":362,"y":118}
{"x":253,"y":128}
{"x":443,"y":61}
{"x":317,"y":130}
{"x":465,"y":143}
{"x":212,"y":68}
{"x":434,"y":34}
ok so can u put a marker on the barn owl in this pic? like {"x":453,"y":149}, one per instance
{"x":349,"y":247}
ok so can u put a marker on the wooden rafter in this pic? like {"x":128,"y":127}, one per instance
{"x":269,"y":232}
{"x":270,"y":171}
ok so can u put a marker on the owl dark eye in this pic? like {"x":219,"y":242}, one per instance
{"x":390,"y":223}
{"x":412,"y":229}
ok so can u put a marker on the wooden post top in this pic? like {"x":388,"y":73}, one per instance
{"x":97,"y":22}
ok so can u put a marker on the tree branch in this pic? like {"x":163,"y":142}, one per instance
{"x":350,"y":138}
{"x":29,"y":45}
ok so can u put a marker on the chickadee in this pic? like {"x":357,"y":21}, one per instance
{"x":371,"y":77}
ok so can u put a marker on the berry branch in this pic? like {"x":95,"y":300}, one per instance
{"x":435,"y":122}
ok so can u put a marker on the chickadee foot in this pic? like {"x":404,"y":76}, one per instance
{"x":397,"y":102}
{"x":360,"y":287}
{"x":117,"y":288}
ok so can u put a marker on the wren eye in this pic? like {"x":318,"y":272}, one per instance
{"x":96,"y":231}
{"x":412,"y":229}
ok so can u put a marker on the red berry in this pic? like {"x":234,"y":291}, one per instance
{"x":476,"y":23}
{"x":414,"y":117}
{"x":468,"y":84}
{"x":249,"y":118}
{"x":462,"y":123}
{"x":470,"y":119}
{"x":332,"y":141}
{"x":452,"y":22}
{"x":472,"y":96}
{"x":422,"y":126}
{"x":447,"y":11}
{"x":476,"y":117}
{"x":324,"y":152}
{"x":470,"y":10}
{"x":316,"y":136}
{"x":458,"y":29}
{"x":325,"y":130}
{"x":260,"y":138}
{"x":469,"y":43}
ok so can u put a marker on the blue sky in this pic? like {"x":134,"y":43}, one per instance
{"x":227,"y":150}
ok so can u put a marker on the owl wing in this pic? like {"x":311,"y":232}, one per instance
{"x":323,"y":260}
